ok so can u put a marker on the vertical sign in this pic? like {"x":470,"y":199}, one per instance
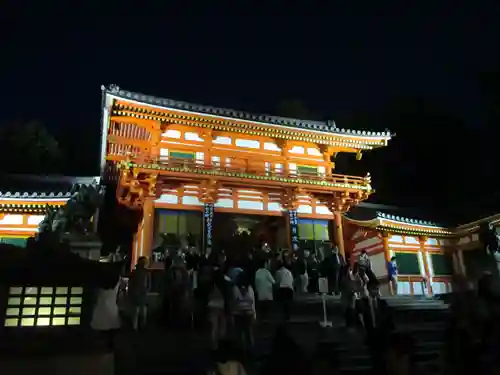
{"x":294,"y":229}
{"x":208,"y":216}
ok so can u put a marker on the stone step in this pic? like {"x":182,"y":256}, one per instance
{"x":425,"y":321}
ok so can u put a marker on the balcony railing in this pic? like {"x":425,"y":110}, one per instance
{"x":254,"y":168}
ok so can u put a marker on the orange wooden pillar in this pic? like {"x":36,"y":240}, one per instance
{"x":136,"y":246}
{"x":428,"y":275}
{"x":457,"y":270}
{"x":460,"y":256}
{"x":339,"y":232}
{"x":143,"y":238}
{"x":147,"y":228}
{"x":385,"y":242}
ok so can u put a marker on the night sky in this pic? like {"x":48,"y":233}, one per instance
{"x":428,"y":73}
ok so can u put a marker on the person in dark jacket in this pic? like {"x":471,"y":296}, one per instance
{"x":331,"y":268}
{"x":138,"y":289}
{"x":313,"y":272}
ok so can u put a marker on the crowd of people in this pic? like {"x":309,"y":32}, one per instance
{"x":228,"y":293}
{"x":224,"y":294}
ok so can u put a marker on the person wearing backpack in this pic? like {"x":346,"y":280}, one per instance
{"x":244,"y":310}
{"x":216,"y":312}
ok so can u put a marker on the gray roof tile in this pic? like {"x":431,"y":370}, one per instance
{"x":322,"y":126}
{"x":40,"y":187}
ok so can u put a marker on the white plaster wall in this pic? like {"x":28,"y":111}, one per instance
{"x":379,"y":266}
{"x":313,"y":151}
{"x":419,"y":288}
{"x":412,"y":240}
{"x":171,"y":133}
{"x":189,"y":136}
{"x":323,"y":210}
{"x":9,"y":219}
{"x":304,"y":209}
{"x":247,"y":143}
{"x":404,"y":288}
{"x":269,"y":146}
{"x":368,"y":244}
{"x":297,"y":150}
{"x":250,"y":205}
{"x":274,"y":206}
{"x":432,"y":242}
{"x":396,"y":239}
{"x":224,"y":203}
{"x":222,"y":140}
{"x":191,"y":201}
{"x":168,"y":198}
{"x":35,"y":219}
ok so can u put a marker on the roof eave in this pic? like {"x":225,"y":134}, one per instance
{"x":304,"y":125}
{"x":430,"y":232}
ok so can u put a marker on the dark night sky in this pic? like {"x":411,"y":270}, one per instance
{"x":351,"y":65}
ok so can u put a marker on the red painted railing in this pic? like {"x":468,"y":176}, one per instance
{"x":252,"y":167}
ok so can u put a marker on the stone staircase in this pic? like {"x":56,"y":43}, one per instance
{"x":155,"y":351}
{"x":424,"y":319}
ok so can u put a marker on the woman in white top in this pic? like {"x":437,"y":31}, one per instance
{"x":284,"y":294}
{"x":106,"y":315}
{"x":264,"y":283}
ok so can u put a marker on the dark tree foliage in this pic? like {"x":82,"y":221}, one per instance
{"x":296,"y":109}
{"x":29,"y":148}
{"x":434,"y":163}
{"x":81,"y":147}
{"x":117,"y":224}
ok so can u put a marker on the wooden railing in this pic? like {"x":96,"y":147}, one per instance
{"x":253,"y":167}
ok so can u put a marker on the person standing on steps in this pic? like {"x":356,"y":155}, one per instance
{"x":284,"y":294}
{"x":365,"y":266}
{"x":264,"y":284}
{"x":106,"y":315}
{"x":332,"y":266}
{"x":244,"y":311}
{"x":313,"y":272}
{"x":138,"y":289}
{"x":392,"y":272}
{"x":216,"y":310}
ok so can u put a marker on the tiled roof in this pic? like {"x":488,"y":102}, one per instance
{"x":322,"y":126}
{"x":382,"y":215}
{"x":40,"y":187}
{"x":369,"y":211}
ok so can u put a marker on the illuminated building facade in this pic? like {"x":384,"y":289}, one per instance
{"x":183,"y":165}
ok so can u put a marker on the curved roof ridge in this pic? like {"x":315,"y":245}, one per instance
{"x":322,"y":126}
{"x":378,"y":206}
{"x":52,"y":178}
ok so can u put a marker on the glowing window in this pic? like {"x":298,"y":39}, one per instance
{"x":43,"y":306}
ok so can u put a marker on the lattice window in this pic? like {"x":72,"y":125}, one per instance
{"x":32,"y":306}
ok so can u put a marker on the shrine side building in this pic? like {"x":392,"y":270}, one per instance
{"x":24,"y":200}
